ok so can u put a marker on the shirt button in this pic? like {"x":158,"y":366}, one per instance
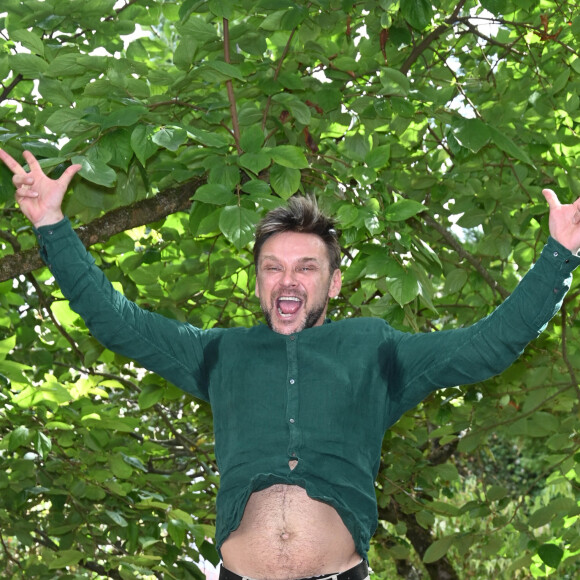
{"x":292,"y":421}
{"x":292,"y":381}
{"x":555,"y":254}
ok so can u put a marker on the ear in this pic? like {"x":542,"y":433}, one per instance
{"x":335,"y":284}
{"x":257,"y":289}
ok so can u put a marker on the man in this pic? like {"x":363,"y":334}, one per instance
{"x":300,"y":405}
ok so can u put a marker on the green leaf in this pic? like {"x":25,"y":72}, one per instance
{"x":29,"y":66}
{"x":7,"y":345}
{"x":509,"y":147}
{"x":437,"y":549}
{"x":64,"y":313}
{"x":237,"y":224}
{"x":228,"y":70}
{"x":177,"y":531}
{"x":142,"y":142}
{"x":472,"y":134}
{"x":29,"y":40}
{"x":496,"y":7}
{"x":206,"y":138}
{"x":255,"y":162}
{"x":119,"y":467}
{"x":19,"y":437}
{"x":404,"y":288}
{"x":66,"y":558}
{"x":256,"y":187}
{"x":252,"y":139}
{"x":300,"y":111}
{"x":150,"y":395}
{"x":403,"y":210}
{"x":135,"y":462}
{"x":378,"y":157}
{"x":171,"y":138}
{"x":455,"y":281}
{"x":496,"y":492}
{"x":124,"y":117}
{"x":43,"y":445}
{"x":289,"y":156}
{"x":214,"y":193}
{"x":117,"y":518}
{"x":220,"y":8}
{"x":96,"y":171}
{"x":285,"y":181}
{"x":394,"y":82}
{"x":551,"y":554}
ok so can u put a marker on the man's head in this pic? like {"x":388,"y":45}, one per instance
{"x":297,"y":258}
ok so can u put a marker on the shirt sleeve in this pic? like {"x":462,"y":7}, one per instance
{"x":429,"y":361}
{"x":167,"y":347}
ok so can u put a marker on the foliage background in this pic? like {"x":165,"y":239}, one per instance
{"x":427,"y":128}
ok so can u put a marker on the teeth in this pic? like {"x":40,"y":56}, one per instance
{"x":292,"y":298}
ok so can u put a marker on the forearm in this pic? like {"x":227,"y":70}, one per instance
{"x":467,"y":355}
{"x":160,"y":344}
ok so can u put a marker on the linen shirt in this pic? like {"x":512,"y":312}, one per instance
{"x":324,"y":396}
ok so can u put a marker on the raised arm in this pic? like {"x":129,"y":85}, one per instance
{"x":165,"y":346}
{"x":39,"y":197}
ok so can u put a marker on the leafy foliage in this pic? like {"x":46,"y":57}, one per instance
{"x":427,"y":128}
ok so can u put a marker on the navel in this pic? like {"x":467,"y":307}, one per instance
{"x":284,"y":536}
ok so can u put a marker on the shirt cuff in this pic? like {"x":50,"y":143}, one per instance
{"x":560,"y":256}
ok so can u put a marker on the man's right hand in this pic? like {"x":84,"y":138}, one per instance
{"x":39,"y":197}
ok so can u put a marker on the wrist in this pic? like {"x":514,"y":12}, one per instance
{"x":49,"y":219}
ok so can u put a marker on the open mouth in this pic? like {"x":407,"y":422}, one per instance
{"x":288,"y":305}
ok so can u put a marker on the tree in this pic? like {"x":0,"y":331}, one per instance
{"x":427,"y":128}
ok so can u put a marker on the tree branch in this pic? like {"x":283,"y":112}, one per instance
{"x":116,"y":221}
{"x":7,"y":90}
{"x":463,"y":253}
{"x":276,"y":74}
{"x":424,"y":44}
{"x":230,"y":89}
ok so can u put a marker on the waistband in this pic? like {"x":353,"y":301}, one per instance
{"x":358,"y":572}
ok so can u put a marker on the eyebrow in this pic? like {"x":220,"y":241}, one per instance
{"x":276,"y":259}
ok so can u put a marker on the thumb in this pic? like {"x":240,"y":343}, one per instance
{"x":69,"y":173}
{"x":551,"y":198}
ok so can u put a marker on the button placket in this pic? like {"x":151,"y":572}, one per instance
{"x":292,"y":401}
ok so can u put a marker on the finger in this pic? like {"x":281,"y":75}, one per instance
{"x":69,"y":173}
{"x":10,"y":162}
{"x":551,"y":198}
{"x":25,"y":192}
{"x":32,"y":161}
{"x":21,"y":179}
{"x":576,"y":216}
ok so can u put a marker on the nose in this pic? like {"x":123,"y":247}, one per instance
{"x":289,"y":278}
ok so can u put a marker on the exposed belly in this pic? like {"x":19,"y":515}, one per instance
{"x":285,"y":534}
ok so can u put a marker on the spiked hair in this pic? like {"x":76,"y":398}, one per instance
{"x":300,"y":214}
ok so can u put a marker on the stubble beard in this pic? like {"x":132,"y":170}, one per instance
{"x":312,"y":316}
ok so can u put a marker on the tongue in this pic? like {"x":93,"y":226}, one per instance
{"x":288,"y":306}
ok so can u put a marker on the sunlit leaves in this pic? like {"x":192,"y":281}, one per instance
{"x":237,"y":224}
{"x":427,"y":131}
{"x":551,"y":554}
{"x":96,"y":171}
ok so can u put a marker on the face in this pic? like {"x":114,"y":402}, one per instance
{"x":294,"y":282}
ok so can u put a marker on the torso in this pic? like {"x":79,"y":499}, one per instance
{"x":285,"y":534}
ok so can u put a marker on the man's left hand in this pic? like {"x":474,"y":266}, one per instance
{"x":564,"y":221}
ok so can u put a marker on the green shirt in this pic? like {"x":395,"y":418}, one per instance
{"x":324,"y":396}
